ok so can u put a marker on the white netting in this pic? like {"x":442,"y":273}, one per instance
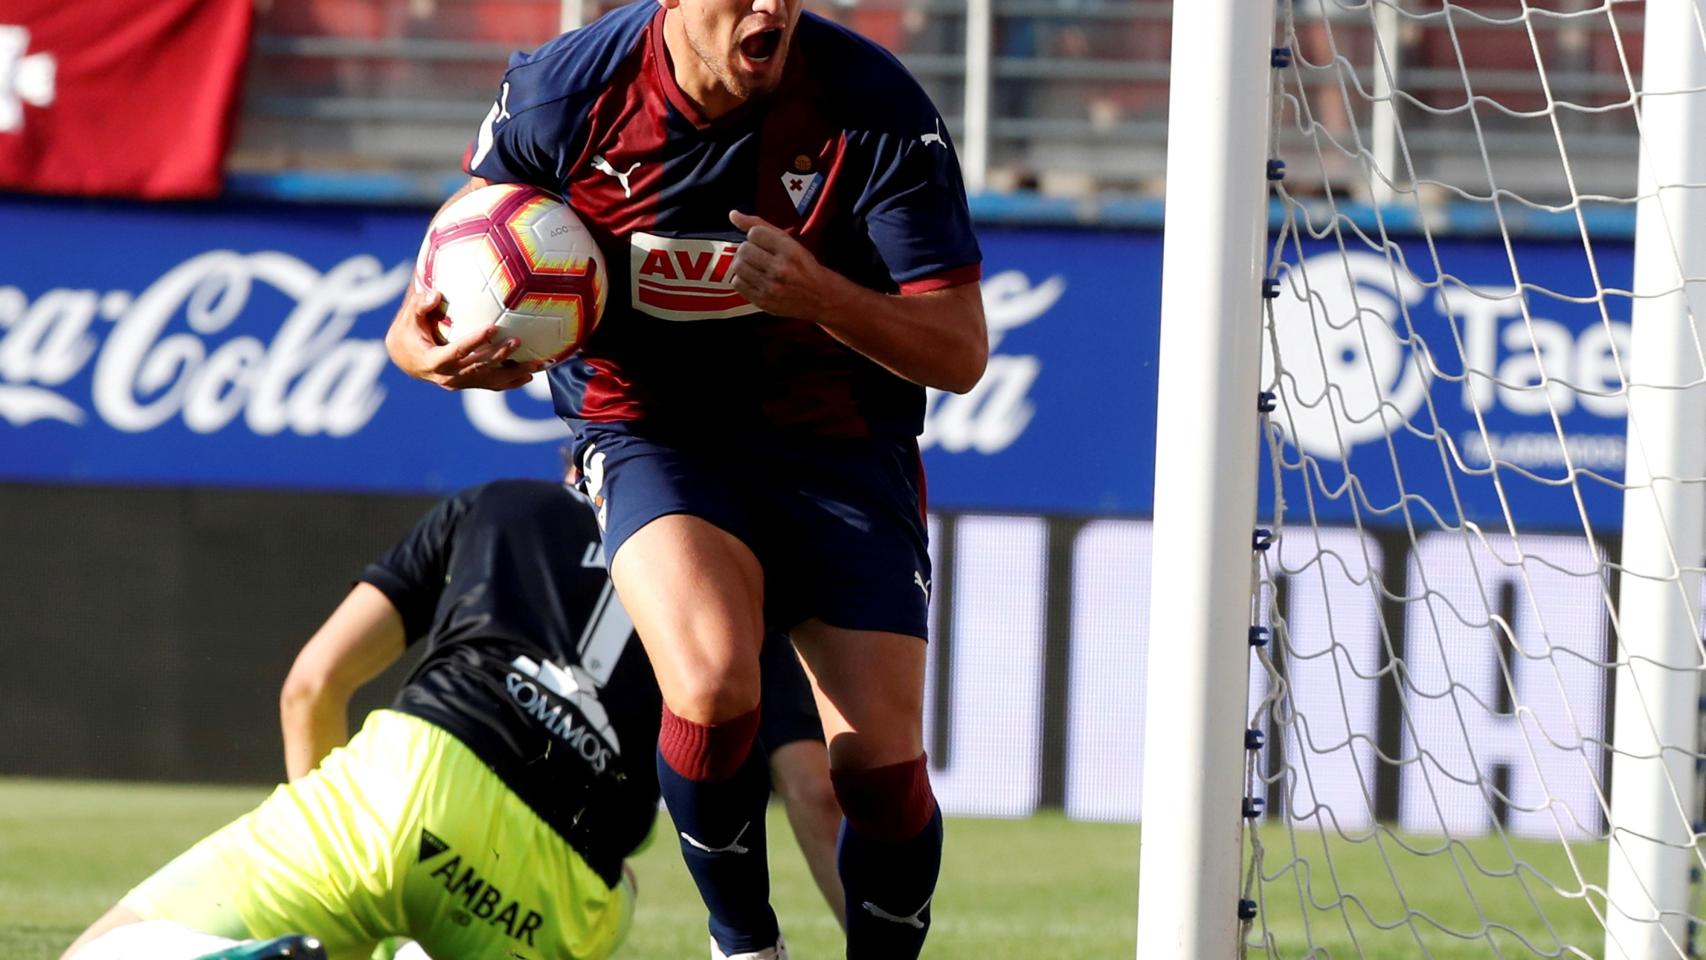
{"x":1448,"y":360}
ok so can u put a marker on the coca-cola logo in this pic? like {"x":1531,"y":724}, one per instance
{"x":494,"y":414}
{"x":163,"y":354}
{"x":170,"y":353}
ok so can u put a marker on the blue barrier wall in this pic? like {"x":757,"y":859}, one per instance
{"x":240,"y":344}
{"x":1441,"y":413}
{"x":236,"y":349}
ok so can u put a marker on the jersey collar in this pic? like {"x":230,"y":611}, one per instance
{"x":665,"y":77}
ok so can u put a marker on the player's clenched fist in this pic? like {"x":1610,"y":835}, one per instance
{"x":777,"y":274}
{"x":478,"y":360}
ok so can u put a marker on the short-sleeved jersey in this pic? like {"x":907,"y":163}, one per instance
{"x":531,"y":660}
{"x":848,"y":155}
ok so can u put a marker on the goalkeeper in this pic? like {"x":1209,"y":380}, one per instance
{"x":489,"y":811}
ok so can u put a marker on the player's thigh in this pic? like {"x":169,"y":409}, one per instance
{"x":846,"y":542}
{"x":318,"y":856}
{"x":870,"y":692}
{"x":678,"y":535}
{"x":695,"y":594}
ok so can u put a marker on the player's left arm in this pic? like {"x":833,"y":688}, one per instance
{"x":362,"y":637}
{"x":936,"y":338}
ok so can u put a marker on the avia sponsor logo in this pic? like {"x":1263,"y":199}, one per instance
{"x":159,"y":354}
{"x":684,"y":278}
{"x":986,"y":420}
{"x":1486,"y":367}
{"x":993,"y":414}
{"x":565,"y":701}
{"x":481,"y":900}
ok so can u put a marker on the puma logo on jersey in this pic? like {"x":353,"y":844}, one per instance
{"x":911,"y":921}
{"x":603,"y":166}
{"x":733,"y":846}
{"x":684,"y":278}
{"x":922,"y":584}
{"x":934,"y":138}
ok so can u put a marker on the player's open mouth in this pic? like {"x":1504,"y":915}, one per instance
{"x":761,"y":46}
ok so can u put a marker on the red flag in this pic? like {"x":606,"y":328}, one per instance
{"x":119,"y":98}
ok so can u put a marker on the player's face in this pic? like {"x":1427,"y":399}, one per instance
{"x":741,"y":45}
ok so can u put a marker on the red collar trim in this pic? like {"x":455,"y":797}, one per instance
{"x":665,"y":76}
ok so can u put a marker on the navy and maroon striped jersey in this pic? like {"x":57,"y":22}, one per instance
{"x":848,"y":155}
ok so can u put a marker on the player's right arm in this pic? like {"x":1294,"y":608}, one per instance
{"x":474,"y":361}
{"x":531,"y":135}
{"x":362,"y":637}
{"x":393,"y":603}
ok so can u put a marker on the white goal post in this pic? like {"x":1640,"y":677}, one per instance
{"x":1205,"y":501}
{"x":1653,"y":803}
{"x":1430,"y":496}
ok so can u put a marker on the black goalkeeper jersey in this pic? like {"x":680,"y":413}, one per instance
{"x":531,"y":660}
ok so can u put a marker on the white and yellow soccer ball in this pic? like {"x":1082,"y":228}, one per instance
{"x":515,"y":256}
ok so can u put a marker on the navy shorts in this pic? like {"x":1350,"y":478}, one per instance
{"x":787,"y":712}
{"x":837,"y":524}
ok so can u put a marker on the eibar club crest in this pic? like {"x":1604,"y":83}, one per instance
{"x":802,"y":184}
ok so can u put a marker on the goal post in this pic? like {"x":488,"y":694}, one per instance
{"x":1205,"y":482}
{"x":1451,"y":706}
{"x":1653,"y":796}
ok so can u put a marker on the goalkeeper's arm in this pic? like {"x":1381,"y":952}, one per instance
{"x":362,"y":637}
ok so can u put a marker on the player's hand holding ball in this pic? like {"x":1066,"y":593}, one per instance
{"x":478,"y":360}
{"x":508,"y":282}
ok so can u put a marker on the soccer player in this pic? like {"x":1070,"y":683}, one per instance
{"x":487,"y":813}
{"x":792,"y":264}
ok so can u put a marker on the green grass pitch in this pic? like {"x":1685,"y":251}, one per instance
{"x":1011,"y":889}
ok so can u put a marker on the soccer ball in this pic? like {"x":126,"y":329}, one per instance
{"x":516,"y":256}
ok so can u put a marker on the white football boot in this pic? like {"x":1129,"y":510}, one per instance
{"x":778,"y":952}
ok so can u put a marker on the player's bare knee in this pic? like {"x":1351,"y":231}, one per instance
{"x":816,"y":796}
{"x":800,"y":774}
{"x":710,"y":698}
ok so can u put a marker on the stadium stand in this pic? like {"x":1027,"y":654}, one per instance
{"x":1078,"y":99}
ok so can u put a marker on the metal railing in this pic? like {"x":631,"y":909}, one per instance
{"x":1066,"y":97}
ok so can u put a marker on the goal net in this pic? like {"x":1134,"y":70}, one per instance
{"x":1475,"y":687}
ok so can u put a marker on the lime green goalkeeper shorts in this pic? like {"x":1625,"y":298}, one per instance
{"x":404,"y":832}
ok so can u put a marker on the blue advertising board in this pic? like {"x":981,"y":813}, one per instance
{"x":242,"y":344}
{"x":1424,"y":382}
